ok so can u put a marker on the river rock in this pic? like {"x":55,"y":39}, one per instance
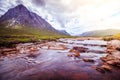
{"x":106,"y":67}
{"x":57,"y":48}
{"x":103,"y":45}
{"x":108,"y":58}
{"x":27,"y":48}
{"x":54,"y":46}
{"x":96,"y":51}
{"x":80,"y":49}
{"x":115,"y":63}
{"x":118,"y":49}
{"x":116,"y":54}
{"x":34,"y":49}
{"x":74,"y":54}
{"x":100,"y":69}
{"x":112,"y":46}
{"x":111,"y":60}
{"x":103,"y":68}
{"x":110,"y":49}
{"x":63,"y":46}
{"x":88,"y":60}
{"x":6,"y":51}
{"x":115,"y":43}
{"x":70,"y":55}
{"x":33,"y":55}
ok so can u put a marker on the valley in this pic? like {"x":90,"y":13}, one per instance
{"x":32,"y":49}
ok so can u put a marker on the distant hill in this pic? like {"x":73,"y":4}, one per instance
{"x":97,"y":33}
{"x":64,"y":32}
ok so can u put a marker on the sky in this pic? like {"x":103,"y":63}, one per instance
{"x":74,"y":16}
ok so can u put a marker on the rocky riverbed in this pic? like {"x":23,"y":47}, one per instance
{"x":64,"y":59}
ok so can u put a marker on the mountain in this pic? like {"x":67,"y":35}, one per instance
{"x":19,"y":24}
{"x":21,"y":17}
{"x":97,"y":33}
{"x":64,"y":32}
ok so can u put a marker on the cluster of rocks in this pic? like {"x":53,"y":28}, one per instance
{"x":20,"y":48}
{"x":103,"y":69}
{"x":113,"y":52}
{"x":88,"y":60}
{"x":32,"y":48}
{"x":75,"y":51}
{"x":96,"y":51}
{"x":113,"y":57}
{"x":112,"y":46}
{"x":79,"y":49}
{"x":54,"y":46}
{"x":6,"y":51}
{"x":33,"y":55}
{"x":28,"y":47}
{"x":111,"y":60}
{"x":103,"y":45}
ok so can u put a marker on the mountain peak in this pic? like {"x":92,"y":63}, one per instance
{"x":17,"y":12}
{"x":20,"y":6}
{"x":21,"y":16}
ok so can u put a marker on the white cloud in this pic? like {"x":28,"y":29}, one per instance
{"x":75,"y":16}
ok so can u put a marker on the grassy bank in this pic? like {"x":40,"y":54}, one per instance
{"x":9,"y":36}
{"x":11,"y":41}
{"x":117,"y":36}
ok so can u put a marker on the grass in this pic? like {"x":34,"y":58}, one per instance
{"x":101,"y":33}
{"x":117,"y":36}
{"x":9,"y":36}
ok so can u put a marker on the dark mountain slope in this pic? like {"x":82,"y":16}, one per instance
{"x":19,"y":24}
{"x":21,"y":17}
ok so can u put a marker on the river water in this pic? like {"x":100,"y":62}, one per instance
{"x":54,"y":64}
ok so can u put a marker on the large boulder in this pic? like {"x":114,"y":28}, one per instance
{"x":116,"y":54}
{"x":112,"y":46}
{"x":103,"y":68}
{"x":79,"y":49}
{"x":88,"y":60}
{"x":7,"y":51}
{"x":111,"y":60}
{"x":115,"y":43}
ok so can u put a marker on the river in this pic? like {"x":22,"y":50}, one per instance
{"x":54,"y":64}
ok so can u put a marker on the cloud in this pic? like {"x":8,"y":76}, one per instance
{"x":39,"y":2}
{"x":74,"y":16}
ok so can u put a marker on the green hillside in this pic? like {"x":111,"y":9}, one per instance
{"x":116,"y":36}
{"x":101,"y":33}
{"x":19,"y":24}
{"x":9,"y":36}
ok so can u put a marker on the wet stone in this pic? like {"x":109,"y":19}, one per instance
{"x":88,"y":60}
{"x":80,"y":49}
{"x":106,"y":67}
{"x":70,"y":55}
{"x":101,"y":70}
{"x":33,"y":55}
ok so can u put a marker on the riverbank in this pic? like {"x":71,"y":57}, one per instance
{"x":10,"y":47}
